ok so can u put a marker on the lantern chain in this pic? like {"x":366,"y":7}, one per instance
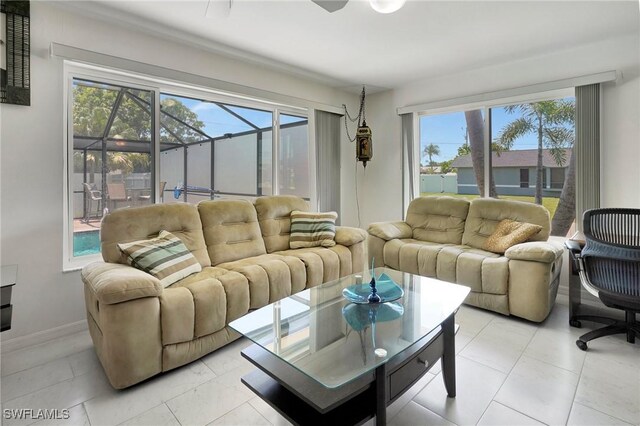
{"x":360,"y":118}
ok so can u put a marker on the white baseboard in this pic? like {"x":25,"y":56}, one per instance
{"x":42,"y":336}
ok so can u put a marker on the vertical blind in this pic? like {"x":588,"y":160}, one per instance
{"x":409,"y":191}
{"x":328,"y":161}
{"x":587,"y":150}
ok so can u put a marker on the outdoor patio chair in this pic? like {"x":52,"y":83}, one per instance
{"x":146,"y":197}
{"x":117,"y":193}
{"x":91,"y":194}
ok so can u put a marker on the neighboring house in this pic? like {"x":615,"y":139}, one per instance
{"x":514,"y":172}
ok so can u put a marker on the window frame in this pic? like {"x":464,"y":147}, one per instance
{"x":485,"y":107}
{"x":75,"y":70}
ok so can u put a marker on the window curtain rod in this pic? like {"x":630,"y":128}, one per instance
{"x":161,"y":73}
{"x":483,"y":98}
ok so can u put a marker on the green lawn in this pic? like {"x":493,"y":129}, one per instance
{"x":550,"y":203}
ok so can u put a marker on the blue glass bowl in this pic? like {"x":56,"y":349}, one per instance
{"x":387,"y":290}
{"x":360,"y":317}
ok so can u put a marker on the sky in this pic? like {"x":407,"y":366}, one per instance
{"x":448,"y":132}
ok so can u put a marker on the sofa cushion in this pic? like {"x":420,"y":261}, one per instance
{"x":231,"y":230}
{"x":485,"y":214}
{"x":139,"y":223}
{"x":312,"y":229}
{"x":271,"y":277}
{"x":201,"y":311}
{"x":482,"y":271}
{"x":438,"y":219}
{"x":165,"y":257}
{"x":323,"y":264}
{"x":236,"y":288}
{"x":508,"y":233}
{"x":274,"y":216}
{"x":413,"y":256}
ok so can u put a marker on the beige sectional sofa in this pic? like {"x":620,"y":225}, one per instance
{"x":140,"y":329}
{"x":443,"y":237}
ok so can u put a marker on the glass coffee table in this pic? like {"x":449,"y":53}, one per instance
{"x":321,"y":358}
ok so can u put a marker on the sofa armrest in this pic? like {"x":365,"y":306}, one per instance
{"x":390,"y":230}
{"x":114,"y":283}
{"x":536,"y":251}
{"x":348,"y":236}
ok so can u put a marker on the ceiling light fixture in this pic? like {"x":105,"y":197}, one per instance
{"x":386,"y":6}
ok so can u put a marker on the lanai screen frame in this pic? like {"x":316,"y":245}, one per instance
{"x":118,"y":144}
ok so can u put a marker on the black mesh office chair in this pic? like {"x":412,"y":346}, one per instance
{"x":609,"y":268}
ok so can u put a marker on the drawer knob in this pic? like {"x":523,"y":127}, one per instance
{"x":425,"y":363}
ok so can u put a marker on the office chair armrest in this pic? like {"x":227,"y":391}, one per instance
{"x":573,"y":246}
{"x":536,"y":251}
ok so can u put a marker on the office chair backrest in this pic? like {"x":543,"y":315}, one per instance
{"x":612,"y":252}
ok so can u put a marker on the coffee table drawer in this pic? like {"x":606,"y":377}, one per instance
{"x":415,"y":367}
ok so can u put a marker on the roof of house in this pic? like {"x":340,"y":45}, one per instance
{"x":516,"y":158}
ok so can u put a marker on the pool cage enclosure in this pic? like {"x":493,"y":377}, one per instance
{"x":175,"y":133}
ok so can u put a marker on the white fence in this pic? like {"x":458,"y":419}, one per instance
{"x":439,"y":183}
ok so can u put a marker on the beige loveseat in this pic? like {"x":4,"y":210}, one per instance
{"x":442,"y":237}
{"x":140,"y":329}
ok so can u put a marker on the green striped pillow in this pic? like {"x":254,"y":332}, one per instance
{"x":312,"y":229}
{"x":165,"y":257}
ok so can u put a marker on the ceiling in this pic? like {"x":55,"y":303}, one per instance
{"x":356,"y":45}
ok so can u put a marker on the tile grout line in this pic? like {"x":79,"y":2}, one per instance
{"x":526,"y":415}
{"x":172,"y":413}
{"x":197,"y":386}
{"x":49,"y":386}
{"x":44,"y":387}
{"x":84,"y":409}
{"x":507,"y":378}
{"x":575,"y":391}
{"x":27,"y":348}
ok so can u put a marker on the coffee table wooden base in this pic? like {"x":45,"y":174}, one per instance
{"x":302,"y":400}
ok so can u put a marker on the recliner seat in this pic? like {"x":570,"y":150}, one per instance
{"x":443,"y":237}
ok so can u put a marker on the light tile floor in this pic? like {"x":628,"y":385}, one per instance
{"x":509,"y":372}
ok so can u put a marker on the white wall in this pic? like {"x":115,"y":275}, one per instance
{"x":32,"y":152}
{"x":381,"y":190}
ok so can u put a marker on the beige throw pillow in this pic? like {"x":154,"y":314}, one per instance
{"x":165,"y":257}
{"x":509,"y":233}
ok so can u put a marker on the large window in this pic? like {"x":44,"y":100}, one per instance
{"x":131,"y":143}
{"x":112,"y":145}
{"x":452,"y":153}
{"x":293,"y":171}
{"x":537,"y":137}
{"x":212,"y":149}
{"x":530,"y":145}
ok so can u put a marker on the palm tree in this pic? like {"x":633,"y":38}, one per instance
{"x":431,"y":150}
{"x":475,"y":132}
{"x":549,"y":121}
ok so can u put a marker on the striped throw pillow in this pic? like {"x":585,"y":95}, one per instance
{"x":165,"y":257}
{"x":312,"y":229}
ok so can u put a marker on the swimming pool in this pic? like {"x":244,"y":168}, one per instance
{"x":86,"y":243}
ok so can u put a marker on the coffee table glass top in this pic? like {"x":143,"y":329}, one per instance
{"x":334,"y":341}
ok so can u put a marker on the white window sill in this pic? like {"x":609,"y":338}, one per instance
{"x":77,"y":263}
